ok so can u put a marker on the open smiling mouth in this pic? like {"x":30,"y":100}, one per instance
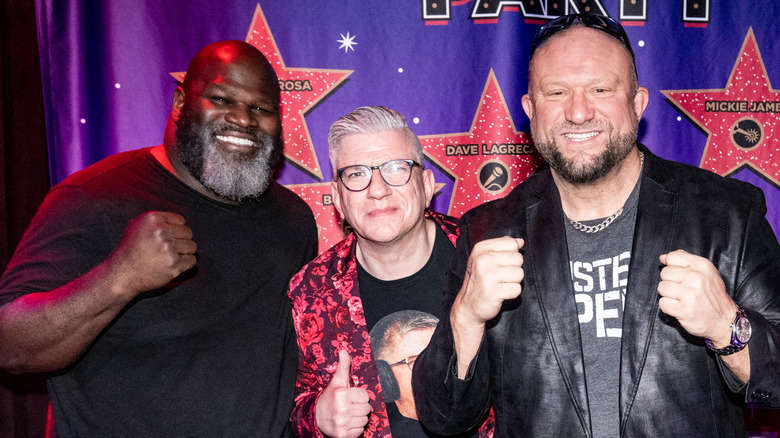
{"x":580,"y":136}
{"x":244,"y":142}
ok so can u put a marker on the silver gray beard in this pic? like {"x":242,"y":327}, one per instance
{"x":238,"y":178}
{"x":234,"y":177}
{"x":616,"y":150}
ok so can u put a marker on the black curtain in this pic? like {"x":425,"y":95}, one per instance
{"x":24,"y":180}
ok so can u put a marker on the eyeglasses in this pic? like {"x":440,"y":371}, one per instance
{"x":394,"y":173}
{"x":409,"y":361}
{"x":600,"y":22}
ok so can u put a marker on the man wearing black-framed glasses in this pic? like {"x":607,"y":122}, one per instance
{"x":393,"y":260}
{"x":615,"y":294}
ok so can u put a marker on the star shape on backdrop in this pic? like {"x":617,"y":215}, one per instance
{"x":741,"y":121}
{"x":490,"y":159}
{"x":347,"y":42}
{"x":319,"y":198}
{"x":302,"y":89}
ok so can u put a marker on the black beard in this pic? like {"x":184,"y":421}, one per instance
{"x":617,"y":149}
{"x":233,"y":177}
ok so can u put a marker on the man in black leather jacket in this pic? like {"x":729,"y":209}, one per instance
{"x":615,"y":294}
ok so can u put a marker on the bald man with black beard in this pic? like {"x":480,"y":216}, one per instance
{"x":151,"y":285}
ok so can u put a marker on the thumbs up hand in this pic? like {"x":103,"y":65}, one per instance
{"x":342,"y":411}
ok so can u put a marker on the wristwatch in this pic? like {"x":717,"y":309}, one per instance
{"x":740,"y":335}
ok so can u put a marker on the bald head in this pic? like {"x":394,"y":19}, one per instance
{"x":211,"y":61}
{"x":606,"y":40}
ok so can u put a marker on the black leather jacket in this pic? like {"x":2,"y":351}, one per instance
{"x":530,"y":366}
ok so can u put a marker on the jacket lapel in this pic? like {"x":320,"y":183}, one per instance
{"x":549,"y":280}
{"x":655,"y":223}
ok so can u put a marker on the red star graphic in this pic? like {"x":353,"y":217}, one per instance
{"x":490,"y":159}
{"x":741,"y":120}
{"x":302,"y":89}
{"x":318,"y":196}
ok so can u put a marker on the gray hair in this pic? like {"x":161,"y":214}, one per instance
{"x":371,"y":120}
{"x":393,"y":327}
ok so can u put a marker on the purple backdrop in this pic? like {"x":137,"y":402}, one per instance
{"x":108,"y":87}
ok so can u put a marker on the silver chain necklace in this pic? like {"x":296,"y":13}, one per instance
{"x":596,"y":228}
{"x":590,"y":229}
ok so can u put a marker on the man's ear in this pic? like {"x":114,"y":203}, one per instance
{"x":641,"y":99}
{"x":178,"y":103}
{"x":336,"y":197}
{"x":528,"y":106}
{"x":429,"y":185}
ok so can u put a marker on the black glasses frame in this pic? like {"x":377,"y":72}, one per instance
{"x":411,"y":164}
{"x":408,"y":361}
{"x":600,"y":22}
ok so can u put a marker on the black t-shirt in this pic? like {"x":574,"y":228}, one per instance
{"x":422,"y":291}
{"x":214,"y":353}
{"x":403,"y":427}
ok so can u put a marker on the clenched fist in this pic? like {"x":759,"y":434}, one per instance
{"x":692,"y":291}
{"x":493,"y":275}
{"x":156,"y":248}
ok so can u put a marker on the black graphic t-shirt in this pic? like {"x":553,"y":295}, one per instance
{"x":401,"y":316}
{"x":599,"y":268}
{"x":423,"y":290}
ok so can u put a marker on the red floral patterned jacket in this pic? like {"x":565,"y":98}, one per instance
{"x":328,"y":317}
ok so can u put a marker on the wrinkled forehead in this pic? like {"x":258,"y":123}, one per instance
{"x":372,"y":146}
{"x":574,"y":42}
{"x":228,"y":67}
